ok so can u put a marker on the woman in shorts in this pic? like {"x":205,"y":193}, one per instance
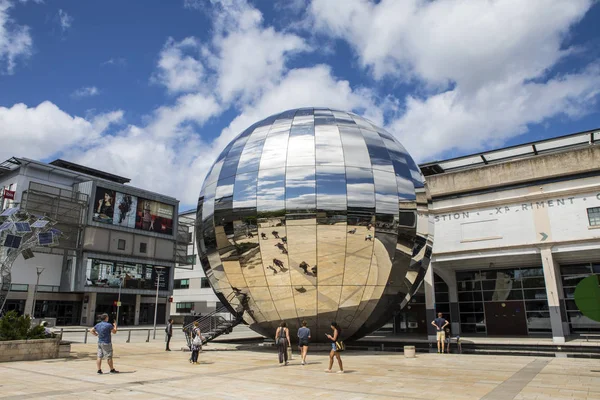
{"x":334,"y":337}
{"x":303,"y":338}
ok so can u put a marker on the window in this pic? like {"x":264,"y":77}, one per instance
{"x":181,"y":284}
{"x":191,"y":259}
{"x":184,"y":307}
{"x":594,"y":216}
{"x":121,"y":244}
{"x":204,"y":283}
{"x":143,"y":247}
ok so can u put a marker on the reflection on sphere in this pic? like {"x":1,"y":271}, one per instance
{"x":316,"y":215}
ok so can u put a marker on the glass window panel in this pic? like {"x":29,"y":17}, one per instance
{"x":386,"y":193}
{"x":569,"y":293}
{"x":471,"y":307}
{"x":356,"y":153}
{"x":594,"y":216}
{"x":466,"y":275}
{"x":328,"y":144}
{"x":575,"y":269}
{"x":536,"y":305}
{"x":502,"y":295}
{"x":271,"y":190}
{"x":534,"y":282}
{"x":528,"y":272}
{"x":475,"y":318}
{"x":571,"y":305}
{"x":442,"y":298}
{"x":573,"y":280}
{"x":538,"y":321}
{"x":300,"y":189}
{"x":468,"y":328}
{"x":331,"y":188}
{"x":596,"y":268}
{"x":535,"y":294}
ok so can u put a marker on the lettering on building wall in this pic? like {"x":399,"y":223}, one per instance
{"x":503,"y":210}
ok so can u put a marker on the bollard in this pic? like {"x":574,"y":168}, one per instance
{"x":61,"y":333}
{"x":128,"y":337}
{"x":85,"y":337}
{"x":409,"y":351}
{"x":382,"y":347}
{"x":148,"y":338}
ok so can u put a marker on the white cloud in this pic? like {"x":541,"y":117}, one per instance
{"x":45,"y":130}
{"x":117,"y":61}
{"x":179,"y":69}
{"x":64,"y":19}
{"x":86,"y":91}
{"x":475,"y":61}
{"x":15,"y":40}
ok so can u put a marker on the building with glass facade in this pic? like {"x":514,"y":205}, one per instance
{"x":515,"y":230}
{"x":117,"y":239}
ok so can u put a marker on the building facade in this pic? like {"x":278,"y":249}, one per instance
{"x":119,"y":242}
{"x":515,"y":230}
{"x":192,"y":294}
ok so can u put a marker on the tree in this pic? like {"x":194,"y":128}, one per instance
{"x":15,"y":327}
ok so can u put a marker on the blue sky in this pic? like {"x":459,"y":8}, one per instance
{"x":154,"y":89}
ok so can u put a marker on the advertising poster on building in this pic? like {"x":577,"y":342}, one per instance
{"x":125,"y":210}
{"x":104,"y":205}
{"x":154,"y":216}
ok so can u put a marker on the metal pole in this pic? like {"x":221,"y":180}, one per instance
{"x":37,"y":283}
{"x":158,"y":273}
{"x":129,"y":336}
{"x":119,"y":299}
{"x":85,"y":337}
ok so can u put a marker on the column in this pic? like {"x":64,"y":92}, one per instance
{"x":552,"y":277}
{"x":29,"y":302}
{"x":138,"y":302}
{"x":430,"y":304}
{"x":88,"y":309}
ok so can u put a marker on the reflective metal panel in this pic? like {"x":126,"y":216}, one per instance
{"x":316,"y":215}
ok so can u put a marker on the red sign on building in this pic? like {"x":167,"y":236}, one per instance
{"x":9,"y":194}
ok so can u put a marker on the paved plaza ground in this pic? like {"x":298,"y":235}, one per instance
{"x":226,"y":372}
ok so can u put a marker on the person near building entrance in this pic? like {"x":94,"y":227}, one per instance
{"x":282,"y":336}
{"x":103,"y":330}
{"x":440,"y":324}
{"x":303,"y":338}
{"x":169,"y":331}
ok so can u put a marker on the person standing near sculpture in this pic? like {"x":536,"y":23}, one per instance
{"x":169,"y":331}
{"x":440,"y":324}
{"x":103,"y":330}
{"x":335,"y":338}
{"x":303,"y":338}
{"x":282,"y":337}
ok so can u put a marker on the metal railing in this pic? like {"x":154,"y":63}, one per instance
{"x":86,"y":333}
{"x":212,"y":325}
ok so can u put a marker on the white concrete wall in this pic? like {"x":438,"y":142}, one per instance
{"x":513,"y":218}
{"x":24,"y":271}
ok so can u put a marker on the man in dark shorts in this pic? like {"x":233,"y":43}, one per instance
{"x":104,"y":330}
{"x":303,"y":338}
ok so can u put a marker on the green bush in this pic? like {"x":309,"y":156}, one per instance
{"x":15,"y":327}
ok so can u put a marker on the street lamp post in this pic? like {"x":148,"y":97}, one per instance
{"x":159,"y":271}
{"x":37,"y":283}
{"x":119,"y":299}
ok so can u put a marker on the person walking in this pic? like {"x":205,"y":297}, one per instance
{"x":440,"y":324}
{"x":335,"y":337}
{"x":282,"y":336}
{"x":196,"y":336}
{"x":303,"y":338}
{"x":103,"y":330}
{"x":169,"y":331}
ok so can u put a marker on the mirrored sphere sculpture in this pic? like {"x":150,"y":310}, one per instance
{"x":314,"y":214}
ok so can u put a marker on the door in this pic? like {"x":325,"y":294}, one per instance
{"x":506,"y":318}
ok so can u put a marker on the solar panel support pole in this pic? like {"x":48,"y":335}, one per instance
{"x":37,"y":283}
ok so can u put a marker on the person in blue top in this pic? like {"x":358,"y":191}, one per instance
{"x":103,"y":330}
{"x":303,"y":338}
{"x":440,"y":324}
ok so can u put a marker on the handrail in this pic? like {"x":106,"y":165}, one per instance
{"x":202,"y":318}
